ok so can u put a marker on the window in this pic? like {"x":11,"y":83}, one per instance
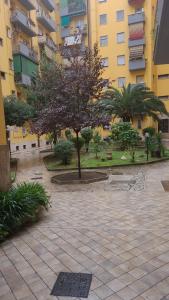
{"x":120,"y":37}
{"x":120,"y":15}
{"x":104,"y":41}
{"x":163,"y":76}
{"x":2,"y":75}
{"x":121,"y":82}
{"x":105,"y":62}
{"x":103,"y":19}
{"x":8,"y":32}
{"x":11,"y":67}
{"x":140,"y":79}
{"x":121,"y":60}
{"x":1,"y":42}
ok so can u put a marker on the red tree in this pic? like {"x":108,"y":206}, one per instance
{"x":71,"y":92}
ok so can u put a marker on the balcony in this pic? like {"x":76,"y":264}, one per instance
{"x":29,"y":4}
{"x":44,"y":40}
{"x":65,"y":32}
{"x":49,"y":4}
{"x":23,"y":49}
{"x":46,"y":21}
{"x":78,"y":8}
{"x":24,"y":23}
{"x":138,"y":64}
{"x":136,"y":3}
{"x":139,"y":42}
{"x":161,"y":49}
{"x":22,"y":79}
{"x":136,"y":18}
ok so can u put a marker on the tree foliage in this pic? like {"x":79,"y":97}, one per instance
{"x":132,"y":101}
{"x":17,"y":112}
{"x":71,"y":92}
{"x":126,"y":136}
{"x":97,"y":143}
{"x":87,"y":135}
{"x":64,"y":151}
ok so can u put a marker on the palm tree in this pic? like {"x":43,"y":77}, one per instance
{"x":132,"y":101}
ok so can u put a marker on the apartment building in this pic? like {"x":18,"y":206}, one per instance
{"x":29,"y":29}
{"x":124,"y":31}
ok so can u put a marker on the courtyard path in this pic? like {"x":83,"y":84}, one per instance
{"x":121,"y":237}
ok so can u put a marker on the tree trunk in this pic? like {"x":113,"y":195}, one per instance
{"x":78,"y":155}
{"x":38,"y":138}
{"x":54,"y":137}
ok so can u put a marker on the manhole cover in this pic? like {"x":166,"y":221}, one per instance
{"x":165,"y":185}
{"x":72,"y":285}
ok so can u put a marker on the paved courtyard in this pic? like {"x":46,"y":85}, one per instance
{"x":120,"y":236}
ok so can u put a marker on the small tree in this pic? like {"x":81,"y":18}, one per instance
{"x":126,"y":136}
{"x":87,"y":135}
{"x":97,"y":142}
{"x":80,"y":143}
{"x":71,"y":92}
{"x":64,"y":151}
{"x":17,"y":112}
{"x":130,"y":140}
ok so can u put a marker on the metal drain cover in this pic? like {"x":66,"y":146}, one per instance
{"x":72,"y":285}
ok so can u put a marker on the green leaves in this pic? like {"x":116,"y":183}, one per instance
{"x":64,"y":151}
{"x":17,"y":112}
{"x":19,"y":205}
{"x":132,"y":101}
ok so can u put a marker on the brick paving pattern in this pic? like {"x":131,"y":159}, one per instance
{"x":120,"y":236}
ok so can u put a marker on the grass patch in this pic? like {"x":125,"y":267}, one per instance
{"x":89,"y":160}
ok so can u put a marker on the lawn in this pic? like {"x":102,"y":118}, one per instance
{"x":90,"y":161}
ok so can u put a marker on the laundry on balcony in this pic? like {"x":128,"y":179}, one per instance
{"x":136,"y":31}
{"x":136,"y":52}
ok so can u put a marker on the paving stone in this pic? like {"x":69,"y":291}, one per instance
{"x":121,"y":236}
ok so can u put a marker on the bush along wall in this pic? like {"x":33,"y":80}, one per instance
{"x":20,"y":205}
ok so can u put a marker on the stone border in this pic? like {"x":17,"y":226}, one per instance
{"x":102,"y":177}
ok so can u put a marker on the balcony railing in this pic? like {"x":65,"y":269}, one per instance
{"x":138,"y":64}
{"x":65,"y":32}
{"x":23,"y":49}
{"x":22,"y":79}
{"x":73,"y":9}
{"x":46,"y":21}
{"x":50,"y":5}
{"x":134,"y":43}
{"x":136,"y":18}
{"x":44,"y":40}
{"x":23,"y":22}
{"x":29,"y":4}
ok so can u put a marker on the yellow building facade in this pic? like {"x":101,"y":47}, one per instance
{"x":29,"y":29}
{"x":123,"y":29}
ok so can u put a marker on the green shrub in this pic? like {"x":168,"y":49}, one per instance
{"x":80,"y":141}
{"x":87,"y":135}
{"x":68,"y":134}
{"x":97,"y":143}
{"x":20,"y":205}
{"x":149,"y":130}
{"x":64,"y":151}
